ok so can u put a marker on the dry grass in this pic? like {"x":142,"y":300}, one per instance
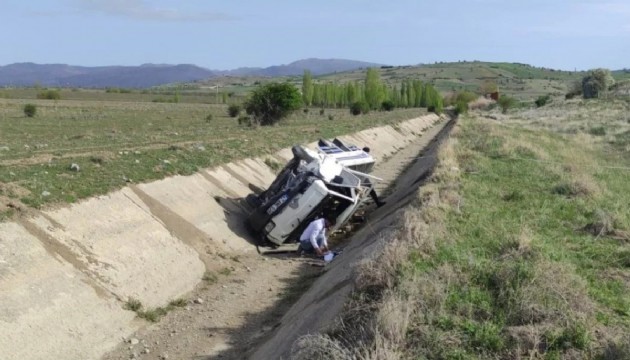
{"x":319,"y":347}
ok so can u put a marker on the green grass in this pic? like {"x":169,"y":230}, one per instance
{"x":153,"y":314}
{"x":499,"y":269}
{"x":521,"y":252}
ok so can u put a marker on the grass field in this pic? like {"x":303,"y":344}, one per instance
{"x":518,"y":249}
{"x":116,"y":142}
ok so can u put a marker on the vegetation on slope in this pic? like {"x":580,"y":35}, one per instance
{"x":518,"y":248}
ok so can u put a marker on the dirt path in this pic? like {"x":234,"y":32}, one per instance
{"x":229,"y":315}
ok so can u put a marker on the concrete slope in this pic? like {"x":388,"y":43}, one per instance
{"x":49,"y":309}
{"x":66,"y":273}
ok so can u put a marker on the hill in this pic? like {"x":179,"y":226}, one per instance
{"x":316,"y":66}
{"x":148,"y":75}
{"x":62,"y":75}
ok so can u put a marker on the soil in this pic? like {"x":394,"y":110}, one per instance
{"x":231,"y":315}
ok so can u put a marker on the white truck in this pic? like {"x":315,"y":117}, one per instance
{"x":313,"y":184}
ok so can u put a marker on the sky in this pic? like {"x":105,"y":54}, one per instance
{"x":228,"y":34}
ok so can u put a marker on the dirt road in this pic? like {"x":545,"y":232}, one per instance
{"x":246,"y":310}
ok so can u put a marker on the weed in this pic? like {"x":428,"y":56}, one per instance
{"x":273,"y":165}
{"x":210,"y":277}
{"x":178,"y":303}
{"x":597,"y":131}
{"x":133,"y":305}
{"x":225,"y":271}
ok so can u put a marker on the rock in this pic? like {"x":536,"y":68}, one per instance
{"x":198,"y":301}
{"x":45,"y":193}
{"x":4,"y":148}
{"x":137,"y":161}
{"x":134,"y":341}
{"x":146,"y":351}
{"x":137,"y":152}
{"x":166,"y":162}
{"x":11,"y":173}
{"x":75,"y":167}
{"x":164,"y":356}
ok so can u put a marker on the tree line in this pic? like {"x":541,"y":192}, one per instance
{"x":372,"y":91}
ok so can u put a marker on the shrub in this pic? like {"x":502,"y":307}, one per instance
{"x":30,"y":110}
{"x":271,"y":102}
{"x":322,"y":111}
{"x":461,"y":107}
{"x":209,"y":118}
{"x":387,"y":105}
{"x":245,"y":120}
{"x":542,"y":100}
{"x":359,"y":107}
{"x":234,"y":110}
{"x":49,"y":95}
{"x":506,"y":103}
{"x":596,"y":83}
{"x":597,"y":131}
{"x":331,"y":117}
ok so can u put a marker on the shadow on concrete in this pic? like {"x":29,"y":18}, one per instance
{"x":236,"y":211}
{"x":259,"y":326}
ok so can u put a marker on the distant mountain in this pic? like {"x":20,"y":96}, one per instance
{"x":148,"y":75}
{"x":316,"y":66}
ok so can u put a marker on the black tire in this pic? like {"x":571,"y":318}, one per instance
{"x":301,"y":154}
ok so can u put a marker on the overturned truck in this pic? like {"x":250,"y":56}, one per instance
{"x":332,"y":181}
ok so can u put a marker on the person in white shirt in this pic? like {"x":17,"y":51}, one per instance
{"x":313,"y":239}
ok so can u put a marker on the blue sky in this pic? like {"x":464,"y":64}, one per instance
{"x":227,"y":34}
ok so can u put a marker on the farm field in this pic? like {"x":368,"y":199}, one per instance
{"x":116,"y":142}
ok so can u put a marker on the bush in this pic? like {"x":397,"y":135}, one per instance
{"x":245,"y":120}
{"x":322,"y":112}
{"x":359,"y":107}
{"x":271,"y":102}
{"x":506,"y":103}
{"x":542,"y":100}
{"x":30,"y":110}
{"x":461,"y":107}
{"x":209,"y":118}
{"x":49,"y":95}
{"x":234,"y":110}
{"x":331,"y":117}
{"x":596,"y":83}
{"x":388,"y":105}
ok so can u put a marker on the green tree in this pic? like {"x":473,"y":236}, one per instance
{"x":596,"y":83}
{"x":373,"y":93}
{"x":307,"y":88}
{"x":271,"y":102}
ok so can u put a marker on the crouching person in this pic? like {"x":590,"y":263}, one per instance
{"x":314,"y":240}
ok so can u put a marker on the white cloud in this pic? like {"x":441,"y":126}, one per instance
{"x":141,"y":9}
